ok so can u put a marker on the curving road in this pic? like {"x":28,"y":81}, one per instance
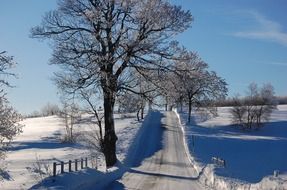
{"x":161,"y":161}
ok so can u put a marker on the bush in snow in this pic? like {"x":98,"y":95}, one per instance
{"x":255,"y":108}
{"x":40,"y":169}
{"x":70,"y":113}
{"x":9,"y":126}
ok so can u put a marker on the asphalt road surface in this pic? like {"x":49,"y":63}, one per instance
{"x":161,"y":161}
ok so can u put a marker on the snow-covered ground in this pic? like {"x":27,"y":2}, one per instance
{"x":251,"y":156}
{"x":41,"y":139}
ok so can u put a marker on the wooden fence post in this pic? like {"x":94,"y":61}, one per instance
{"x":54,"y":169}
{"x":76,"y":165}
{"x":62,"y":167}
{"x":70,"y":165}
{"x":86,"y":162}
{"x":82,"y":163}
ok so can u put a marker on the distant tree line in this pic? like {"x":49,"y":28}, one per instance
{"x":229,"y":102}
{"x":281,"y":99}
{"x":47,"y":110}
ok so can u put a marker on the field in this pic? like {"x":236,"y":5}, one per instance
{"x":41,"y":139}
{"x":250,"y":156}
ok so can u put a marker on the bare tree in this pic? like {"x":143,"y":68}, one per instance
{"x":237,"y":111}
{"x":9,"y":118}
{"x":128,"y":103}
{"x":142,"y":91}
{"x":50,"y":109}
{"x":95,"y":139}
{"x":96,"y":42}
{"x":71,"y":114}
{"x":193,"y":83}
{"x":255,"y":108}
{"x":168,"y":88}
{"x":265,"y":103}
{"x":6,"y":63}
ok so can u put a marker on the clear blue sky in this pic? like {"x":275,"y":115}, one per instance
{"x":243,"y":41}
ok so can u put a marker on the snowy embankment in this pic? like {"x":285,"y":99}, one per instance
{"x":251,"y":156}
{"x":41,"y":139}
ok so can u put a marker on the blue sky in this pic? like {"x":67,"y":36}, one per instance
{"x":243,"y":41}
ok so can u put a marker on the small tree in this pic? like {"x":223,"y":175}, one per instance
{"x":9,"y":118}
{"x":9,"y":126}
{"x":70,"y":113}
{"x":131,"y":103}
{"x":193,"y":83}
{"x":94,"y":140}
{"x":255,"y":108}
{"x":50,"y":109}
{"x":128,"y":103}
{"x":265,"y":104}
{"x":141,"y":91}
{"x":238,"y":111}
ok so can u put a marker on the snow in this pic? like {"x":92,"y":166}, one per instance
{"x":251,"y":156}
{"x":41,"y":138}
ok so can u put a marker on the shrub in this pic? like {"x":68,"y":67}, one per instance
{"x":254,"y":109}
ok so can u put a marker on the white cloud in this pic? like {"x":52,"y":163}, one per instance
{"x":266,"y":29}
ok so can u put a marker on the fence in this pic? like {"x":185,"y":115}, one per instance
{"x":218,"y":161}
{"x":73,"y":165}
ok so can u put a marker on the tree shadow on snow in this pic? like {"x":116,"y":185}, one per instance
{"x":4,"y":175}
{"x":49,"y":142}
{"x":69,"y":180}
{"x":146,"y":143}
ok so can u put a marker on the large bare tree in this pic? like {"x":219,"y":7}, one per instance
{"x":97,"y":42}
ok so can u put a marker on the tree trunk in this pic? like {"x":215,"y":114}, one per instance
{"x":181,"y":105}
{"x":149,"y":105}
{"x":142,"y":112}
{"x":166,"y":103}
{"x":138,"y":116}
{"x":110,"y":138}
{"x":189,"y":110}
{"x":109,"y":86}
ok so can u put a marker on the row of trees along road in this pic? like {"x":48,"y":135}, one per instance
{"x":102,"y":46}
{"x":192,"y":83}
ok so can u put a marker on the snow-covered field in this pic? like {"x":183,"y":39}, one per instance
{"x":251,"y":156}
{"x":41,"y":138}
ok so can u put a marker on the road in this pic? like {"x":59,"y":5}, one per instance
{"x":162,"y":160}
